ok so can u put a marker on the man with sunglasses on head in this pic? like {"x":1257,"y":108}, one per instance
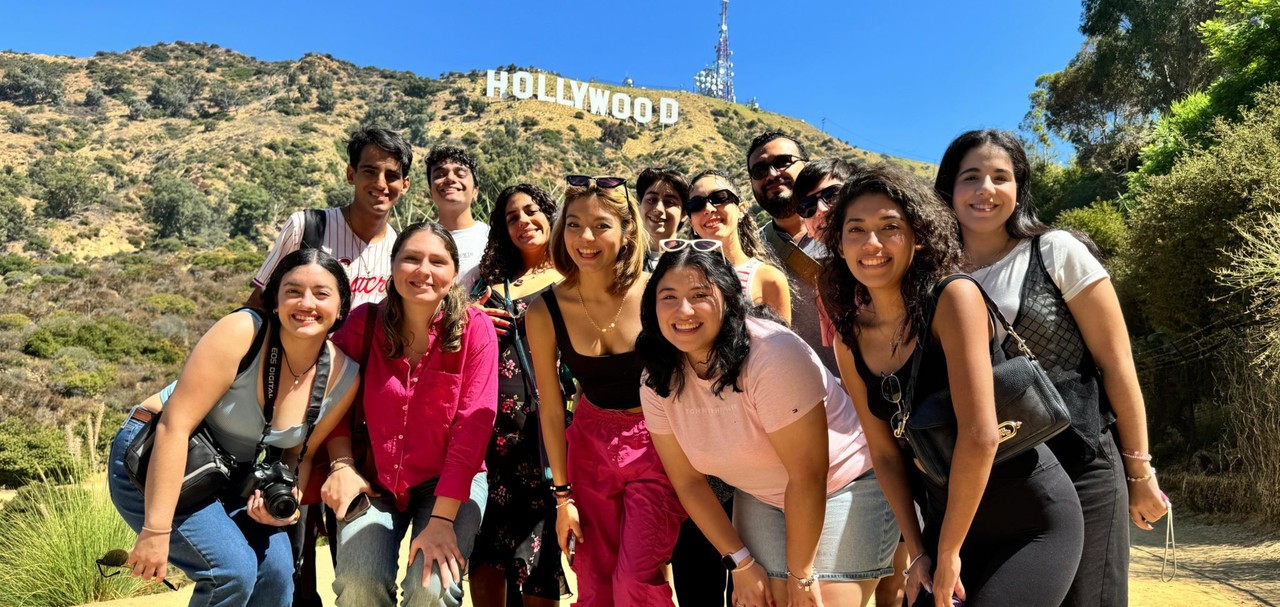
{"x":454,"y":186}
{"x":774,"y":160}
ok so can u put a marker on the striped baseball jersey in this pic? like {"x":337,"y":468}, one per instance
{"x":368,"y":265}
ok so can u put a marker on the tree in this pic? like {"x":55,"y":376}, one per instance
{"x":326,"y":101}
{"x":224,"y":97}
{"x":30,"y":83}
{"x":176,"y":208}
{"x":252,"y":205}
{"x":175,"y":95}
{"x":66,"y":186}
{"x":15,"y":221}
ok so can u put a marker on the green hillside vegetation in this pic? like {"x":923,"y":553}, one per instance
{"x":140,"y":190}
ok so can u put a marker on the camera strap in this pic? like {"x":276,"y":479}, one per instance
{"x":270,"y":391}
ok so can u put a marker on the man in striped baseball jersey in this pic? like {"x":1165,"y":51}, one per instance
{"x":357,"y":235}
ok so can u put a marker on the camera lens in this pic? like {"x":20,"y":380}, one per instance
{"x":279,"y":501}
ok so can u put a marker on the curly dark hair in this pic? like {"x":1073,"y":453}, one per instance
{"x":936,"y":232}
{"x":442,"y":154}
{"x":502,"y":260}
{"x":663,"y":361}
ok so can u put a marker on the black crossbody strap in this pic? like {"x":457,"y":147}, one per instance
{"x":258,"y":338}
{"x":319,"y":385}
{"x":271,"y":385}
{"x":525,"y":367}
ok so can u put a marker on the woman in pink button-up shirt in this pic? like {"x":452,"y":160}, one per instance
{"x":429,"y":399}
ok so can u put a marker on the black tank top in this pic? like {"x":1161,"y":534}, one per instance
{"x":933,"y":376}
{"x":611,"y":381}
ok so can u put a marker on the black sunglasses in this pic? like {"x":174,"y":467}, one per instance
{"x":891,"y":391}
{"x":808,"y":206}
{"x":778,"y":163}
{"x":582,"y":181}
{"x":717,"y":198}
{"x":115,"y":559}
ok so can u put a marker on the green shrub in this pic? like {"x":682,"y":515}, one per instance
{"x":30,"y":82}
{"x":1253,"y":272}
{"x":13,"y":320}
{"x":170,"y":303}
{"x":67,"y":185}
{"x":15,"y":263}
{"x":1102,"y":221}
{"x":18,"y":122}
{"x":76,"y":372}
{"x":111,"y":339}
{"x":27,"y":451}
{"x":177,"y":209}
{"x":225,"y":259}
{"x":50,"y":536}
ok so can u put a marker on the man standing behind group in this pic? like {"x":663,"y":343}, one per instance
{"x":454,"y":187}
{"x":773,"y":161}
{"x":359,"y":237}
{"x":662,"y":194}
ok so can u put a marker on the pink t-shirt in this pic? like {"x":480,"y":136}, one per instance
{"x":727,"y":436}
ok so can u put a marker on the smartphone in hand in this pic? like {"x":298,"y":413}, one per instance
{"x":573,"y":544}
{"x":359,"y":505}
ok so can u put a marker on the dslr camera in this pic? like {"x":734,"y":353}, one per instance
{"x":276,"y":481}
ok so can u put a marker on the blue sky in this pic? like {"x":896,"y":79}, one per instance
{"x":902,"y":78}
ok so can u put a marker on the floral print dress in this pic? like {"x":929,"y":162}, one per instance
{"x":518,"y":534}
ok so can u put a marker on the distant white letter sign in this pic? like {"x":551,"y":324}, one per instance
{"x":581,"y":95}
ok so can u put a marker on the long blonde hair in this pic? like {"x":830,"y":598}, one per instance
{"x":453,"y":308}
{"x":635,"y":241}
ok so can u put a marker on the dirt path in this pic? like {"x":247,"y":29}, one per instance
{"x":1219,"y":565}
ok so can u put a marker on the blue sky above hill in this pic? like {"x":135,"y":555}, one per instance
{"x":902,"y":78}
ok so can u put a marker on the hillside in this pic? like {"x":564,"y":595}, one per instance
{"x":139,"y":190}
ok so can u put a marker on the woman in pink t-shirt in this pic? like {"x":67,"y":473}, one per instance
{"x":746,"y":400}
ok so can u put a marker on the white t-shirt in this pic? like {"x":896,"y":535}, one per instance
{"x":471,"y":242}
{"x":368,"y":265}
{"x":727,"y":436}
{"x":1071,"y":266}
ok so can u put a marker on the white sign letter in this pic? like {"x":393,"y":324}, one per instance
{"x":642,"y":110}
{"x":621,"y":106}
{"x":579,"y":94}
{"x":669,"y":111}
{"x":495,"y":80}
{"x":522,"y":85}
{"x":599,"y":101}
{"x":560,"y":98}
{"x":542,"y":88}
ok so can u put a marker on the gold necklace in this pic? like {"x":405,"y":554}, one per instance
{"x":613,"y":325}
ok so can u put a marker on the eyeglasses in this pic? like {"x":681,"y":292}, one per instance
{"x":891,"y":391}
{"x":671,"y":245}
{"x":778,"y":163}
{"x":717,"y":198}
{"x":582,"y":181}
{"x":808,"y":206}
{"x":115,"y":559}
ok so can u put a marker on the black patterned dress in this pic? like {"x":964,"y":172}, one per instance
{"x":518,"y":534}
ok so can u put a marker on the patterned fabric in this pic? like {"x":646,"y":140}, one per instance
{"x":519,"y":530}
{"x":747,"y":274}
{"x":368,"y":265}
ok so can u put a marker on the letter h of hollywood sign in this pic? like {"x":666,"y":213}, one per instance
{"x":582,"y":96}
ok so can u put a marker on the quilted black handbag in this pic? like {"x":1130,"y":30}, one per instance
{"x":1029,"y":410}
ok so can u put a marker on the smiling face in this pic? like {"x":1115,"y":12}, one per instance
{"x":661,"y":212}
{"x":986,"y":192}
{"x":453,"y":187}
{"x":714,"y":222}
{"x":690,"y":311}
{"x":876,"y":241}
{"x":592,"y":234}
{"x":527,"y":224}
{"x":309,"y":302}
{"x":422,"y":269}
{"x":379,"y":181}
{"x":774,"y":190}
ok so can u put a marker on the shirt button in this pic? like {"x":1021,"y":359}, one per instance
{"x":401,"y":437}
{"x":396,"y":466}
{"x":404,"y":408}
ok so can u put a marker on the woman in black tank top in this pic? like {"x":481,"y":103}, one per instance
{"x":615,"y":507}
{"x":988,"y":533}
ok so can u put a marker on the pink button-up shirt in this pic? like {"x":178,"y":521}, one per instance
{"x":431,"y":420}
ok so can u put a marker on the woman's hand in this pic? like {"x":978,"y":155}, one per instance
{"x":751,"y":587}
{"x":439,"y":544}
{"x":342,"y":487}
{"x":501,"y":319}
{"x":566,"y":524}
{"x":918,"y":578}
{"x":946,"y":580}
{"x":801,"y":597}
{"x":1147,"y":504}
{"x":257,"y":509}
{"x":149,"y":558}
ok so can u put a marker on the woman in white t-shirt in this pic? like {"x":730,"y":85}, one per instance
{"x":746,"y":400}
{"x":1058,"y":296}
{"x":717,"y":213}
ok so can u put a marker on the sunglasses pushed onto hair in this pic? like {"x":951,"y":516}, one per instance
{"x":717,"y":198}
{"x":808,"y":206}
{"x":582,"y":181}
{"x":777,"y":164}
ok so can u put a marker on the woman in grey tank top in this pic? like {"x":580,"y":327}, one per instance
{"x":231,"y":546}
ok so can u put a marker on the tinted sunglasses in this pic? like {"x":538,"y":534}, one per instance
{"x":891,"y":391}
{"x":582,"y":181}
{"x":808,"y":207}
{"x":671,"y":245}
{"x":717,"y":198}
{"x":778,"y":163}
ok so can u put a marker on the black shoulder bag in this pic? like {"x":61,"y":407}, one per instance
{"x":1029,"y":410}
{"x":209,"y":468}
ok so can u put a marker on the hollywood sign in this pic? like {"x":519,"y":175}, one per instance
{"x":581,"y":95}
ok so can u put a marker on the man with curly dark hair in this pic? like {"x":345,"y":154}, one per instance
{"x":454,"y":186}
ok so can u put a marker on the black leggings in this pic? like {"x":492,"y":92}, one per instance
{"x":1025,"y":541}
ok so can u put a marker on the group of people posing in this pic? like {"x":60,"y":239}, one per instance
{"x":641,"y":381}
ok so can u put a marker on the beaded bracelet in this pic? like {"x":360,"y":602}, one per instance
{"x":333,"y":465}
{"x":564,"y":503}
{"x":1143,"y":478}
{"x":1138,"y":455}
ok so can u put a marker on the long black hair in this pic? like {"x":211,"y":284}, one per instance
{"x":665,"y":362}
{"x":305,"y":257}
{"x":936,"y":232}
{"x":502,"y":259}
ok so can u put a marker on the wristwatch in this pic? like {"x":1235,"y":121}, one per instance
{"x":733,"y":560}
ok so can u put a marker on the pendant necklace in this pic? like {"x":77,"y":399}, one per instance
{"x":613,"y":324}
{"x":297,"y":377}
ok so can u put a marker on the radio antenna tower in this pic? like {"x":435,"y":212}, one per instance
{"x":717,"y":80}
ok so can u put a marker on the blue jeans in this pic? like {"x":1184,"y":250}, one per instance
{"x":369,"y":550}
{"x":233,"y":560}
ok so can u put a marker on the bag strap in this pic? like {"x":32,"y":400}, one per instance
{"x":792,"y":255}
{"x":258,"y":338}
{"x":313,"y":227}
{"x":270,"y":392}
{"x":519,"y":344}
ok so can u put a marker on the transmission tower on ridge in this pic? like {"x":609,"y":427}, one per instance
{"x":717,"y":80}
